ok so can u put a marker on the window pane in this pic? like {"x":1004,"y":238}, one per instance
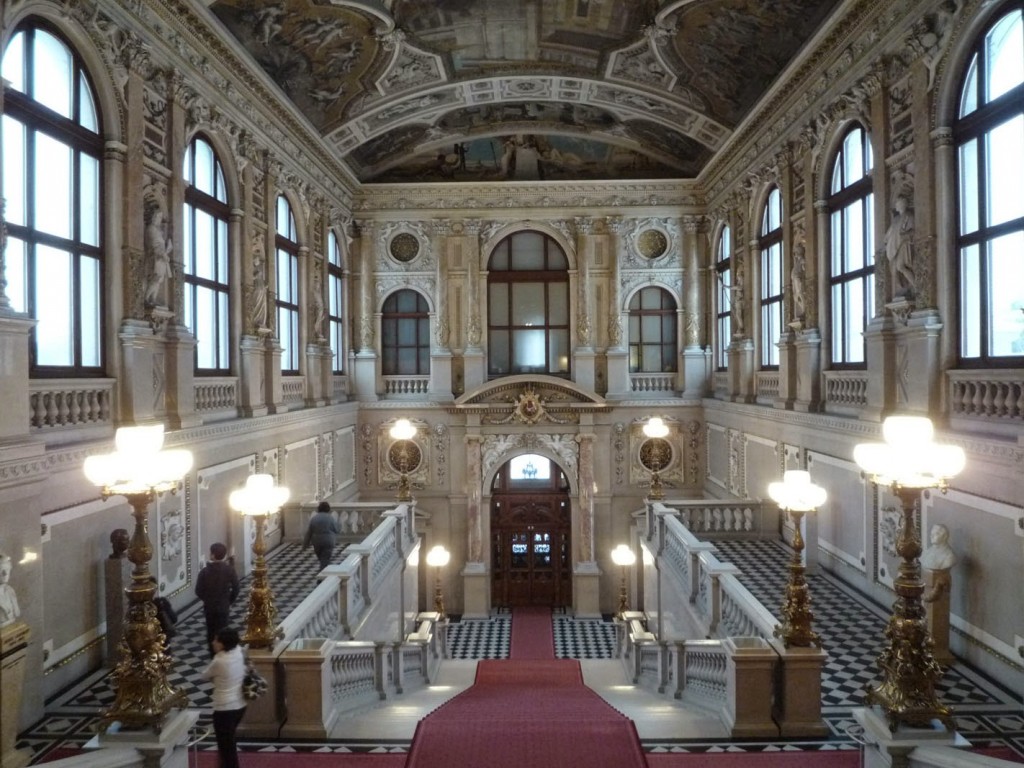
{"x":14,"y":62}
{"x":53,"y":74}
{"x":407,"y":327}
{"x":222,"y":251}
{"x":498,"y":304}
{"x":559,"y":360}
{"x":14,"y":170}
{"x":854,"y":157}
{"x":651,"y":358}
{"x":206,"y":314}
{"x":528,"y":304}
{"x":1004,"y":52}
{"x":969,"y":97}
{"x":528,"y":353}
{"x":854,"y":237}
{"x":89,"y":320}
{"x":558,"y":303}
{"x":1005,"y":161}
{"x":650,"y":328}
{"x":53,"y":186}
{"x":498,"y":354}
{"x":89,"y":200}
{"x":87,"y":115}
{"x":837,"y":243}
{"x":1007,"y":294}
{"x":17,"y":274}
{"x":204,"y":168}
{"x":204,"y":254}
{"x":528,"y":251}
{"x":838,"y":331}
{"x":53,"y":303}
{"x":970,"y":302}
{"x":969,"y":197}
{"x":223,"y":330}
{"x":407,"y":358}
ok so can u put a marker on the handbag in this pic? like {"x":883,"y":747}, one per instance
{"x":254,"y":684}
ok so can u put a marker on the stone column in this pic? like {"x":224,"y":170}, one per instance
{"x":585,"y":586}
{"x":583,"y":353}
{"x":474,"y":360}
{"x":365,"y":366}
{"x":617,"y":355}
{"x":440,"y":353}
{"x":696,"y":360}
{"x":475,"y":575}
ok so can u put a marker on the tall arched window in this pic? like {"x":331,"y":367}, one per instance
{"x":652,"y":331}
{"x":287,"y":246}
{"x":723,"y":303}
{"x":852,"y":265}
{"x":52,"y":145}
{"x":989,"y":136}
{"x":335,"y":306}
{"x":405,"y":335}
{"x":528,"y":306}
{"x":205,"y":252}
{"x":770,"y":243}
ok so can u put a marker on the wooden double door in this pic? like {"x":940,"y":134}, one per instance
{"x":532,"y":548}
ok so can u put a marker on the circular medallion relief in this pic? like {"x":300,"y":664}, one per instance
{"x":404,"y":247}
{"x":404,"y":456}
{"x":655,"y":454}
{"x":652,"y":243}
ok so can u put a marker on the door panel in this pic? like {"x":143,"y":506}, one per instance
{"x":531,"y":550}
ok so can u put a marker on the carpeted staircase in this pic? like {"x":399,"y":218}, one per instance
{"x":528,"y":710}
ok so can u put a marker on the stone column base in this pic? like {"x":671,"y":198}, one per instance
{"x":586,"y":591}
{"x":166,"y":748}
{"x":476,"y":591}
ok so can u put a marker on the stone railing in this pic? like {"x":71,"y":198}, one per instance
{"x":355,"y":518}
{"x":766,"y":387}
{"x":655,"y":383}
{"x":216,"y":396}
{"x":989,"y":400}
{"x":56,"y":404}
{"x":720,"y":384}
{"x":715,"y":518}
{"x":339,"y":388}
{"x":293,"y":389}
{"x":406,"y":386}
{"x":846,"y":392}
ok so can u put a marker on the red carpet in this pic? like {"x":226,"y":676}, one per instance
{"x":532,"y":711}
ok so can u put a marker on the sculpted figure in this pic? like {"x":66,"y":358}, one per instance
{"x":118,"y":543}
{"x":939,"y":557}
{"x":899,"y":247}
{"x":9,"y":610}
{"x":158,"y":250}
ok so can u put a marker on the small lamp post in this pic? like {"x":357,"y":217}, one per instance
{"x":258,"y":499}
{"x":797,"y":495}
{"x":623,"y":557}
{"x":404,"y":455}
{"x":139,"y":469}
{"x":654,"y":453}
{"x":908,"y":462}
{"x":437,"y":558}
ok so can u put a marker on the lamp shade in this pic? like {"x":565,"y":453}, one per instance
{"x":655,"y":427}
{"x":796,"y":492}
{"x":909,"y":457}
{"x":438,"y":556}
{"x":622,"y":555}
{"x":403,"y":430}
{"x":259,"y":496}
{"x":138,"y":463}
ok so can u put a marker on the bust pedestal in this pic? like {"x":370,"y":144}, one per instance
{"x":937,"y":587}
{"x":117,"y":575}
{"x":13,"y":649}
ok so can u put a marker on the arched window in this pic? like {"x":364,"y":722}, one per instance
{"x":335,"y":306}
{"x":528,"y":306}
{"x":723,"y":303}
{"x":852,"y":265}
{"x":405,"y":335}
{"x":652,"y":331}
{"x":770,"y":243}
{"x":287,"y":245}
{"x":989,"y":136}
{"x":52,"y":145}
{"x":205,"y":252}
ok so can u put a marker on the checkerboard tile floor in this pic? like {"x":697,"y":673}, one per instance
{"x":851,"y":629}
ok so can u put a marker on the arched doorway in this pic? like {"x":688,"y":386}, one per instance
{"x":531,"y":534}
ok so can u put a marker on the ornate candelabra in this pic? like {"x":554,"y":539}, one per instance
{"x":655,"y":453}
{"x":437,"y":558}
{"x":404,"y":455}
{"x":139,"y":469}
{"x":623,"y":557}
{"x":798,"y":496}
{"x":258,"y":499}
{"x":908,"y":462}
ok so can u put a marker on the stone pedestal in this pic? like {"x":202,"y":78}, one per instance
{"x":884,"y":748}
{"x":741,"y":371}
{"x":749,"y":672}
{"x":140,"y":349}
{"x":476,"y":591}
{"x":696,"y":372}
{"x":618,"y":374}
{"x":117,"y":573}
{"x":808,"y":370}
{"x":937,"y":589}
{"x":263,"y":716}
{"x":583,"y":368}
{"x":251,"y":396}
{"x":797,"y":707}
{"x":364,"y":375}
{"x":181,"y":391}
{"x":586,"y":601}
{"x":787,"y":370}
{"x":474,"y":368}
{"x":14,"y":330}
{"x":441,"y":376}
{"x":166,"y":748}
{"x":13,"y":649}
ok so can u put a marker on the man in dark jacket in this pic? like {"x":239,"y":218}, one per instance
{"x":217,"y":586}
{"x":322,"y":533}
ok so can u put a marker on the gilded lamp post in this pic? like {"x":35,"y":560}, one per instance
{"x":797,"y":495}
{"x":404,"y":455}
{"x":655,"y":453}
{"x":623,"y":557}
{"x":437,"y":558}
{"x":908,"y":462}
{"x":139,"y":470}
{"x":258,"y":499}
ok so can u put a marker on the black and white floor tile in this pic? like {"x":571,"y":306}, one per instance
{"x":851,"y":629}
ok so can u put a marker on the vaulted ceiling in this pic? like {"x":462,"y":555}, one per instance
{"x":475,"y":90}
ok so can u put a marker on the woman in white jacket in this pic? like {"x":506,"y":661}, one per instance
{"x":227,"y":670}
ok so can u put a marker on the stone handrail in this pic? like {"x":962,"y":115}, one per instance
{"x":318,"y":615}
{"x":711,"y":518}
{"x":845,"y":391}
{"x":991,"y":400}
{"x":355,"y":518}
{"x":652,"y":382}
{"x":742,"y":615}
{"x":216,"y":393}
{"x":720,"y":380}
{"x":67,"y":403}
{"x":293,"y":389}
{"x":406,"y":385}
{"x":766,"y":386}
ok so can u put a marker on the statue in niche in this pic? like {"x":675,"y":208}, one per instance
{"x":118,"y":543}
{"x":899,"y":246}
{"x":9,"y":609}
{"x":798,"y":282}
{"x":258,"y":290}
{"x":157,"y":249}
{"x":736,"y":297}
{"x":319,"y":309}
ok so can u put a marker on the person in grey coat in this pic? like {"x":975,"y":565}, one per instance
{"x":322,"y":533}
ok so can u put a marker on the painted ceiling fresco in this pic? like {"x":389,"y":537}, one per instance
{"x":472,"y":90}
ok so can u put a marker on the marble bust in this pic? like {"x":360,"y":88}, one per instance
{"x":939,"y":556}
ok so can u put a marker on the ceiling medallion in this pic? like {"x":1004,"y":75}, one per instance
{"x":404,"y":247}
{"x":652,"y":243}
